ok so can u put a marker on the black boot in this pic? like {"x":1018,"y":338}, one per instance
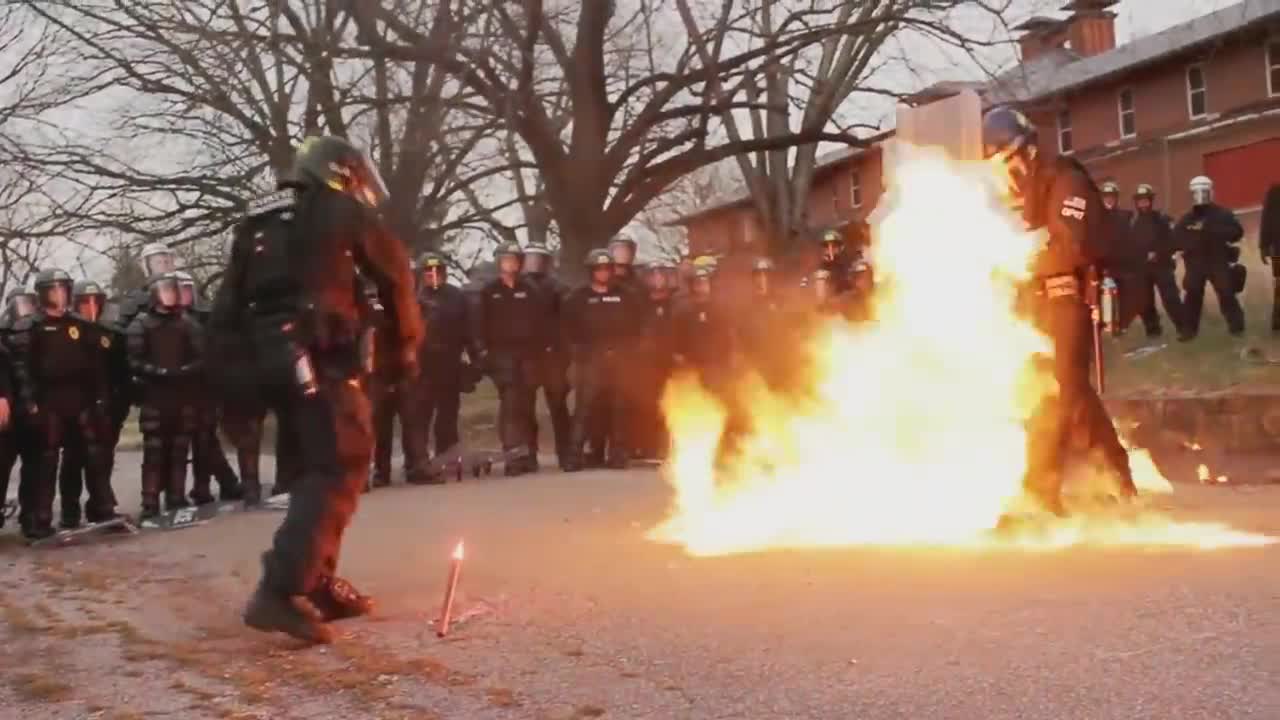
{"x":70,"y":516}
{"x":231,"y":490}
{"x":200,"y":493}
{"x":338,"y":599}
{"x":293,"y":615}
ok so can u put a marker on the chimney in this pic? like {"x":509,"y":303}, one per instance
{"x":1091,"y":29}
{"x":1040,"y":34}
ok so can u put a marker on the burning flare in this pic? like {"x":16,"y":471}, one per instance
{"x":912,"y":429}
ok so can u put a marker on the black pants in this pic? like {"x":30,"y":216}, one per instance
{"x":600,"y":407}
{"x":166,"y":442}
{"x":1066,"y":321}
{"x":648,"y":431}
{"x":1217,"y":274}
{"x":438,"y":398}
{"x":82,"y":434}
{"x":244,"y":423}
{"x":1159,"y":279}
{"x":550,"y":371}
{"x":22,"y":444}
{"x":392,"y":401}
{"x":511,"y":373}
{"x":334,"y":431}
{"x":208,"y":460}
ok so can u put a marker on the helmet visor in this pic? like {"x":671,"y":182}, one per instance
{"x":23,"y":305}
{"x":158,"y":263}
{"x":89,"y":307}
{"x":164,"y":293}
{"x":55,"y":297}
{"x":1201,"y":195}
{"x":186,"y":295}
{"x":536,"y":263}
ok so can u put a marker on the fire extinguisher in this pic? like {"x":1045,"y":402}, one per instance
{"x":1111,"y":305}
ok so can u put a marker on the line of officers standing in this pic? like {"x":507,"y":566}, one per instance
{"x":613,"y":342}
{"x":73,"y":365}
{"x":1143,"y":244}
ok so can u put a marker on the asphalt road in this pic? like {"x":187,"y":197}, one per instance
{"x":569,"y":612}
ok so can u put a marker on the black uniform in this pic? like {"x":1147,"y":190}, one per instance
{"x":510,"y":341}
{"x":598,"y":326}
{"x":392,"y":399}
{"x":17,"y":440}
{"x":208,"y":459}
{"x":438,"y":394}
{"x":1269,"y":248}
{"x":654,"y":359}
{"x":1205,"y":235}
{"x":71,"y":472}
{"x":8,"y":436}
{"x":1064,"y":200}
{"x":1153,"y":240}
{"x":550,"y":369}
{"x":291,"y":289}
{"x":61,"y":373}
{"x":166,"y":353}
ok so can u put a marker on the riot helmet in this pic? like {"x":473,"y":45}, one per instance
{"x":761,"y":275}
{"x":157,"y":259}
{"x":510,"y":258}
{"x":537,"y":259}
{"x":433,"y":269}
{"x":1144,"y":198}
{"x":186,"y":289}
{"x":88,"y":297}
{"x":832,"y":245}
{"x":1201,"y":190}
{"x":659,"y":276}
{"x":166,"y":296}
{"x":1110,"y":192}
{"x":335,"y":163}
{"x":53,"y":290}
{"x":1009,"y":143}
{"x":21,"y":303}
{"x":623,"y":250}
{"x":599,"y":262}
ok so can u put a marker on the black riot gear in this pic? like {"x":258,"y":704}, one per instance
{"x":20,"y":304}
{"x":186,"y":289}
{"x":335,"y":163}
{"x":1208,"y":236}
{"x":165,"y":295}
{"x":291,"y":291}
{"x":537,"y":259}
{"x":437,"y":396}
{"x":1009,"y":140}
{"x":433,"y":270}
{"x":549,"y":368}
{"x":598,"y":320}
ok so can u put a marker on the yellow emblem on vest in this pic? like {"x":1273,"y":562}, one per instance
{"x":74,"y":332}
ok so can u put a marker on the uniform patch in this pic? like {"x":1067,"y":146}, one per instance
{"x":269,"y":203}
{"x":105,"y":342}
{"x":611,"y":299}
{"x":1078,"y":203}
{"x":521,"y":295}
{"x":74,"y":332}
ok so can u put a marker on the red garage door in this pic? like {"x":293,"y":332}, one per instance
{"x":1242,"y":174}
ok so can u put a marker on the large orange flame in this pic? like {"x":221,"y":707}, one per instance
{"x":913,"y":429}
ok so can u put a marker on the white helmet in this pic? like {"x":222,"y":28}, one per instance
{"x":1201,"y":190}
{"x":156,"y":259}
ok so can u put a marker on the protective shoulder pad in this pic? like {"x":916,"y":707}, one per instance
{"x":272,"y":202}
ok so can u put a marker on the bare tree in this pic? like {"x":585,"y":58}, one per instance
{"x":655,"y":227}
{"x":631,"y":131}
{"x":210,"y":97}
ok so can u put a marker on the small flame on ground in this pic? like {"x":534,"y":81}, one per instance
{"x":910,"y":430}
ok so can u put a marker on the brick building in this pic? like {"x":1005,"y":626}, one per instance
{"x":1198,"y":98}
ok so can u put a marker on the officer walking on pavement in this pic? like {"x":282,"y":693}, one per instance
{"x":1152,"y":233}
{"x":292,"y":287}
{"x":444,"y":374}
{"x":598,"y":318}
{"x":551,"y":366}
{"x":509,"y":338}
{"x":60,"y":368}
{"x":1208,"y":236}
{"x":1059,"y":199}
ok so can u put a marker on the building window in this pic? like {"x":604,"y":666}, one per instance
{"x":855,"y":189}
{"x":1273,"y":66}
{"x":1197,"y":93}
{"x":1064,"y":132}
{"x":1128,"y":117}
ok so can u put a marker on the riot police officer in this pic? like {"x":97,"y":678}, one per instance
{"x":166,"y":354}
{"x":1057,"y":196}
{"x":392,"y":396}
{"x":155,"y":260}
{"x":16,"y":438}
{"x":654,"y":360}
{"x":291,"y":287}
{"x":509,"y":339}
{"x":1208,"y":236}
{"x":551,"y":366}
{"x":761,"y":331}
{"x":87,"y":300}
{"x":1152,"y":235}
{"x":1122,"y":260}
{"x":444,"y":373}
{"x":597,"y":326}
{"x":623,"y":251}
{"x":1269,"y":248}
{"x":60,"y":367}
{"x":836,"y":260}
